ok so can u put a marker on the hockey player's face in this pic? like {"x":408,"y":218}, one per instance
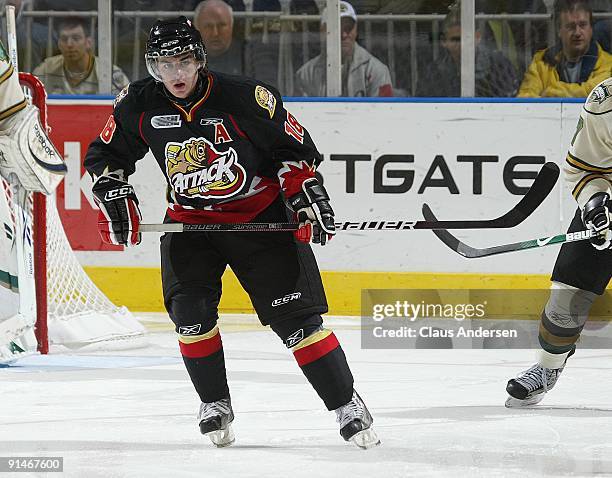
{"x":575,"y":31}
{"x":179,"y":74}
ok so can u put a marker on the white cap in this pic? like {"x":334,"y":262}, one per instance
{"x":346,"y":10}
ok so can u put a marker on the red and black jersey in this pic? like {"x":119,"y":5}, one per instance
{"x":226,"y":157}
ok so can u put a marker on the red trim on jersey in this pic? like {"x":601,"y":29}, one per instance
{"x":231,"y":212}
{"x":140,"y":127}
{"x":385,"y":90}
{"x":240,"y":132}
{"x":317,"y":350}
{"x":202,"y":348}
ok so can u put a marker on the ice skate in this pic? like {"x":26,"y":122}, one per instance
{"x":215,"y":419}
{"x":530,"y":386}
{"x":356,"y":423}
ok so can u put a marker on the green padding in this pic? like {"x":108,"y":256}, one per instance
{"x":3,"y":54}
{"x":9,"y":281}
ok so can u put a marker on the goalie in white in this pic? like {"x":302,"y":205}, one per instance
{"x":29,"y":162}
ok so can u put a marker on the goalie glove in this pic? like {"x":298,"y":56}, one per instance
{"x":119,"y":217}
{"x":596,"y":217}
{"x":313,"y":212}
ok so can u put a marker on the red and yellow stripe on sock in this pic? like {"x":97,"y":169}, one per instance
{"x":315,"y":346}
{"x":198,"y":346}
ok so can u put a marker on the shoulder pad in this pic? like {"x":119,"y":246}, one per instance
{"x":136,"y":96}
{"x":599,"y":100}
{"x":249,"y":96}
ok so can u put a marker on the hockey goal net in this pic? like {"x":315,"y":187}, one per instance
{"x":71,"y":310}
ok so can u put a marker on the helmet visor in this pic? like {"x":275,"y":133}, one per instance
{"x":169,"y":68}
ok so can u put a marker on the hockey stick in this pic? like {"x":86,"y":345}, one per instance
{"x":542,"y":185}
{"x":473,"y":252}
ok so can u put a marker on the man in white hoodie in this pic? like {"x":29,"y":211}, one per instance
{"x":362,"y":73}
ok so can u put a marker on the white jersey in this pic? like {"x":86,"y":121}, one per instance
{"x":588,"y":166}
{"x":12,"y":98}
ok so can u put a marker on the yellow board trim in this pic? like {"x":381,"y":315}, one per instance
{"x":139,"y":288}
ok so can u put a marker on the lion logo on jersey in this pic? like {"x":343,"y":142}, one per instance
{"x":196,"y":169}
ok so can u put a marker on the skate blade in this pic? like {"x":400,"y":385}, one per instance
{"x":512,"y":402}
{"x":222,"y":438}
{"x":366,"y":439}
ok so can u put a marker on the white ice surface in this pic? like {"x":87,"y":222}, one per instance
{"x":437,"y":412}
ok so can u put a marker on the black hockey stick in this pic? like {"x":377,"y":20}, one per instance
{"x":542,"y":185}
{"x":473,"y":252}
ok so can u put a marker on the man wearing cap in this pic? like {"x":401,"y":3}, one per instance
{"x":362,"y":73}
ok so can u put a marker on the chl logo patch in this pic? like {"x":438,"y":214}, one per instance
{"x":197,"y":169}
{"x":190,"y":329}
{"x":166,"y":121}
{"x":265,"y":99}
{"x":295,"y":338}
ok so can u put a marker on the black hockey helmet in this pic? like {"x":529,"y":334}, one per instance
{"x":171,"y":37}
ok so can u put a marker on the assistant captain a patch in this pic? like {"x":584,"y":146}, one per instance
{"x":265,"y":99}
{"x":166,"y":121}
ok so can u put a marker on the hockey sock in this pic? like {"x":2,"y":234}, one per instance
{"x":320,"y":357}
{"x":205,"y":363}
{"x":564,"y":317}
{"x":324,"y":364}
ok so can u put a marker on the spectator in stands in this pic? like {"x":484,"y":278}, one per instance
{"x":494,"y":75}
{"x":362,"y":73}
{"x":214,"y":19}
{"x":602,"y":32}
{"x":573,"y":67}
{"x":76,"y":69}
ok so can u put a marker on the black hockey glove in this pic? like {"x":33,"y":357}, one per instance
{"x":313,"y":212}
{"x":119,"y":217}
{"x":596,"y":217}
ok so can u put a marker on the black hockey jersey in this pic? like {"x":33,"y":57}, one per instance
{"x":225,"y":158}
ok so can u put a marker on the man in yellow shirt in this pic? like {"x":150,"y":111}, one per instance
{"x":575,"y":66}
{"x":75,"y":71}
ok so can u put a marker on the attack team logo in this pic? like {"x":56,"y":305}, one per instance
{"x":197,"y":170}
{"x":265,"y":99}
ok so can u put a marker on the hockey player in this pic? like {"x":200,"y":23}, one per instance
{"x":582,"y":270}
{"x":230,"y":153}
